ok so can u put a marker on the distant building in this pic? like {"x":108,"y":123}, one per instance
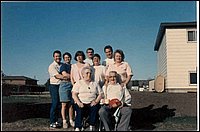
{"x":137,"y":85}
{"x":20,"y":84}
{"x":151,"y":85}
{"x":176,"y":46}
{"x":19,"y":80}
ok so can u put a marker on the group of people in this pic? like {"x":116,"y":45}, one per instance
{"x":89,"y":87}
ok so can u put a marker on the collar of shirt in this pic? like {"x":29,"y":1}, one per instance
{"x":120,"y":63}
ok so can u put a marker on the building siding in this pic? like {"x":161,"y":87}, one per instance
{"x":162,"y":60}
{"x":181,"y":59}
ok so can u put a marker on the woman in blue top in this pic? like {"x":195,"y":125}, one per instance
{"x":65,"y":90}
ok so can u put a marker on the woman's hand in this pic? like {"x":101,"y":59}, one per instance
{"x":81,"y":105}
{"x":93,"y":103}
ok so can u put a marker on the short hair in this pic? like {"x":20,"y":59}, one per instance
{"x":118,"y":77}
{"x":56,"y":51}
{"x":79,"y":53}
{"x":97,"y":55}
{"x":90,"y":49}
{"x":108,"y":47}
{"x":112,"y":72}
{"x":68,"y":54}
{"x":84,"y":68}
{"x":120,"y":52}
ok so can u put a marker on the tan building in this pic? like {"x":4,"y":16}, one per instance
{"x":20,"y":85}
{"x":19,"y":80}
{"x":176,"y":46}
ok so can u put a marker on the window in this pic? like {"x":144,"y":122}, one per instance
{"x":193,"y":78}
{"x":192,"y":36}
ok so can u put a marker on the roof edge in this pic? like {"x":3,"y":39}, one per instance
{"x":163,"y":26}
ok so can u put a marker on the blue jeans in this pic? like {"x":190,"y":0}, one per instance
{"x":92,"y":111}
{"x":55,"y":105}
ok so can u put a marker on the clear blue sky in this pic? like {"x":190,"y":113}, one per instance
{"x":31,"y":31}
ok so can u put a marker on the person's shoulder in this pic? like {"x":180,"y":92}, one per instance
{"x":73,"y":65}
{"x":125,"y":63}
{"x":118,"y":85}
{"x":53,"y":64}
{"x":66,"y":64}
{"x":93,"y":82}
{"x":50,"y":64}
{"x":79,"y":83}
{"x":102,"y":66}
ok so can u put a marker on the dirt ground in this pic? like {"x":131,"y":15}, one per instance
{"x":150,"y":111}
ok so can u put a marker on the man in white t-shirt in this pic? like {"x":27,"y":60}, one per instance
{"x":55,"y":79}
{"x":115,"y":91}
{"x":109,"y":54}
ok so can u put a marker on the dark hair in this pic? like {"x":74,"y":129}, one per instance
{"x":68,"y":54}
{"x":90,"y":49}
{"x":120,"y":52}
{"x":79,"y":53}
{"x":108,"y":47}
{"x":56,"y":51}
{"x":97,"y":55}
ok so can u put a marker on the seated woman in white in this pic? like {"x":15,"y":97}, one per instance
{"x":87,"y":95}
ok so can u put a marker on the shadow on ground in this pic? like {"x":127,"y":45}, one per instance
{"x":19,"y":111}
{"x":144,"y":118}
{"x":141,"y":119}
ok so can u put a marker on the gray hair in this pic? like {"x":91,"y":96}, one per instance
{"x":84,"y":68}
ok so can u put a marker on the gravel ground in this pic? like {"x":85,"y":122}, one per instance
{"x":151,"y":111}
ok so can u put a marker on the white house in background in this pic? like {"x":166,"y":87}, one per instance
{"x":176,"y":46}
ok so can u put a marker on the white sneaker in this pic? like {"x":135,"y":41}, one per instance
{"x":65,"y":124}
{"x":77,"y":129}
{"x":53,"y":125}
{"x":71,"y":123}
{"x":92,"y":128}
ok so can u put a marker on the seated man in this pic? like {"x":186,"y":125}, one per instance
{"x":114,"y":90}
{"x":87,"y":95}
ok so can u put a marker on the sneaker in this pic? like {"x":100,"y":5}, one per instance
{"x":82,"y":129}
{"x":53,"y":125}
{"x":65,"y":124}
{"x":92,"y":128}
{"x":58,"y":124}
{"x":71,"y":123}
{"x":77,"y":129}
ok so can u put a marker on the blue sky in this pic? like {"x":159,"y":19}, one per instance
{"x":31,"y":31}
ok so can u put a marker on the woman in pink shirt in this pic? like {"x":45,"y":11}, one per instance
{"x":77,"y":67}
{"x":121,"y":67}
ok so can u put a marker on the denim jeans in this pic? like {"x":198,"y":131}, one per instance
{"x":55,"y":104}
{"x":91,"y":111}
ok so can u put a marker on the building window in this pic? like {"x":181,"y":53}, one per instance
{"x":193,"y":78}
{"x":192,"y":36}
